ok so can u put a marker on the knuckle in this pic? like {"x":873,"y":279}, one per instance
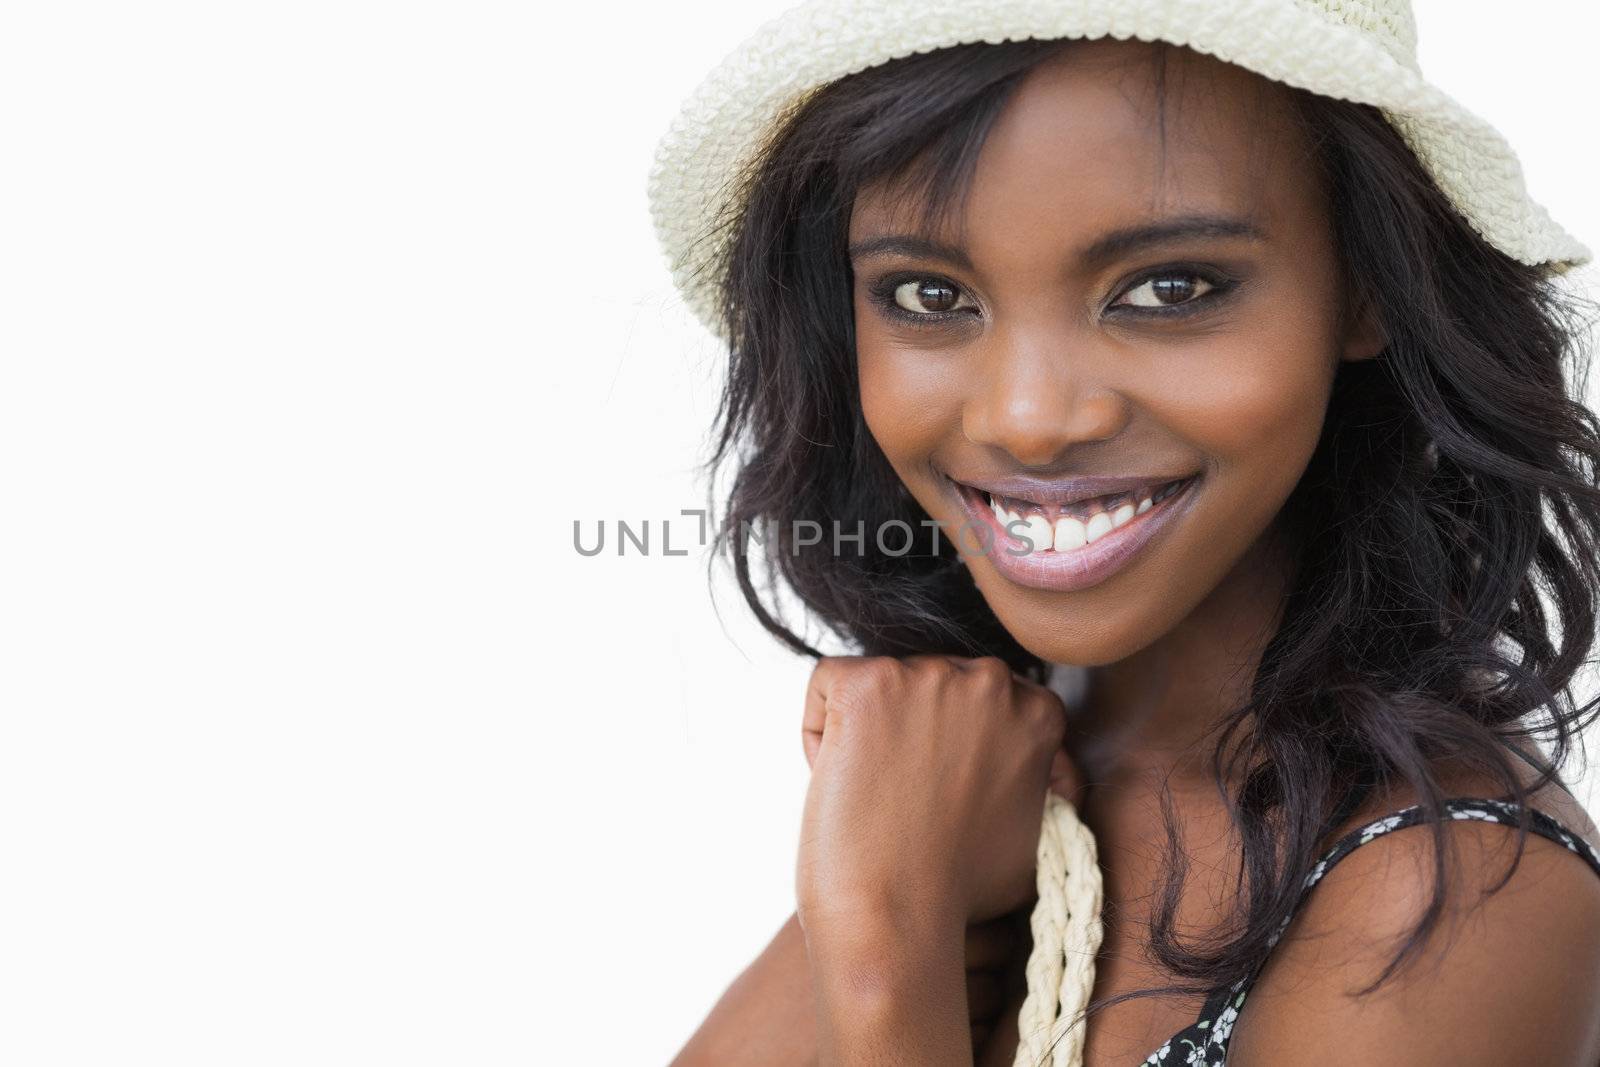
{"x":992,"y":669}
{"x":878,"y":669}
{"x":871,"y":678}
{"x":931,"y":677}
{"x":1054,"y":731}
{"x":1045,"y":710}
{"x":992,"y":681}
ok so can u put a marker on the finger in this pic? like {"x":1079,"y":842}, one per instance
{"x":935,"y":657}
{"x":1022,"y":926}
{"x":1065,"y":777}
{"x":815,"y":713}
{"x":991,"y":944}
{"x":1002,"y":1034}
{"x":985,"y":995}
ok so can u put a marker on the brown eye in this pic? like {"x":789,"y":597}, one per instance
{"x":1164,"y":290}
{"x":927,"y":297}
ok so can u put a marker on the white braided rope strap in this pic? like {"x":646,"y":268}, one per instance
{"x":1066,"y":936}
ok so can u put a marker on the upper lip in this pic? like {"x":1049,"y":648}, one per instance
{"x":1042,"y":490}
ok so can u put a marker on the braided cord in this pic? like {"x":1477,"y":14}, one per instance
{"x":1066,"y":936}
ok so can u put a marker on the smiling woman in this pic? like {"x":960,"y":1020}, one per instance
{"x":1149,"y":290}
{"x":1199,"y":388}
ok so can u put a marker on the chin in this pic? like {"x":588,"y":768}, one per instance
{"x":1057,"y":633}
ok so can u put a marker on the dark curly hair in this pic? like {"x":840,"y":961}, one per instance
{"x":1445,"y":585}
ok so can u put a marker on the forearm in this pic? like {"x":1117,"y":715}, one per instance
{"x":767,"y":1015}
{"x":889,"y":990}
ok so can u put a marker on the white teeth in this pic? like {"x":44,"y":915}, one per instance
{"x":1039,"y":533}
{"x":1098,"y":527}
{"x":1069,"y":534}
{"x":1006,"y":518}
{"x":1168,"y":490}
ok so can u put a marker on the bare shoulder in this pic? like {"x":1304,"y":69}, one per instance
{"x":1507,"y":977}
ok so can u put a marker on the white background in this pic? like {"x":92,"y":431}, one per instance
{"x":321,"y":322}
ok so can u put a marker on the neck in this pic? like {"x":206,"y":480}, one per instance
{"x":1147,"y":717}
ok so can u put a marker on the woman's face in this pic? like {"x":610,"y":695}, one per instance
{"x":1122,"y":307}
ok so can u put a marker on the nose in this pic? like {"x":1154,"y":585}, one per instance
{"x":1035,"y":399}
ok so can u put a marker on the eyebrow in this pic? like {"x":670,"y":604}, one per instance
{"x":1110,"y":246}
{"x":912,"y":246}
{"x":1167,"y":231}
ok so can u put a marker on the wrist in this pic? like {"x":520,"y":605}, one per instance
{"x":839,"y":916}
{"x":874,"y":950}
{"x":890,"y":987}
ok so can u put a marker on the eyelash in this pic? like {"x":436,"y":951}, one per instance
{"x":882,"y":295}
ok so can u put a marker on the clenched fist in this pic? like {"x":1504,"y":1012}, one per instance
{"x":928,"y":782}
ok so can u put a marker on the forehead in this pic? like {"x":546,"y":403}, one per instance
{"x":1109,"y":133}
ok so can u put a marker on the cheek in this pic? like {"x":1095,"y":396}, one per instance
{"x":1268,"y":399}
{"x":1255,"y":407}
{"x":908,"y":397}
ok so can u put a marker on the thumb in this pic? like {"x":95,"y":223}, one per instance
{"x":1065,"y":779}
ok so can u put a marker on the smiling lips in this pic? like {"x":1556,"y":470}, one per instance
{"x":1068,"y":526}
{"x":1064,"y":536}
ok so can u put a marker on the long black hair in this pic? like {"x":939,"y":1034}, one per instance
{"x":1445,"y":586}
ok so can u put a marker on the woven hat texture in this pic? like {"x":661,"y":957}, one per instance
{"x":1359,"y":50}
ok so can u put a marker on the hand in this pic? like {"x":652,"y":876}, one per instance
{"x":927,"y":789}
{"x":995,"y":949}
{"x":996,"y":955}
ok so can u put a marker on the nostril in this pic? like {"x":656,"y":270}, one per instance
{"x":1036,"y":423}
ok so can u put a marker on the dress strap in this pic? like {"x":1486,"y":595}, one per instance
{"x":1480,"y":808}
{"x":1205,"y":1041}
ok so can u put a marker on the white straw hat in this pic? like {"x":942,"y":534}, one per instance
{"x":1360,"y":50}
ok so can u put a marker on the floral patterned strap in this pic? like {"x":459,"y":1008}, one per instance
{"x":1480,"y":808}
{"x":1204,"y":1043}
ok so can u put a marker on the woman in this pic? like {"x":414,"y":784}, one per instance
{"x":1124,"y":374}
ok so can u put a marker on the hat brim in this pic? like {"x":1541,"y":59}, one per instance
{"x":724,"y":123}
